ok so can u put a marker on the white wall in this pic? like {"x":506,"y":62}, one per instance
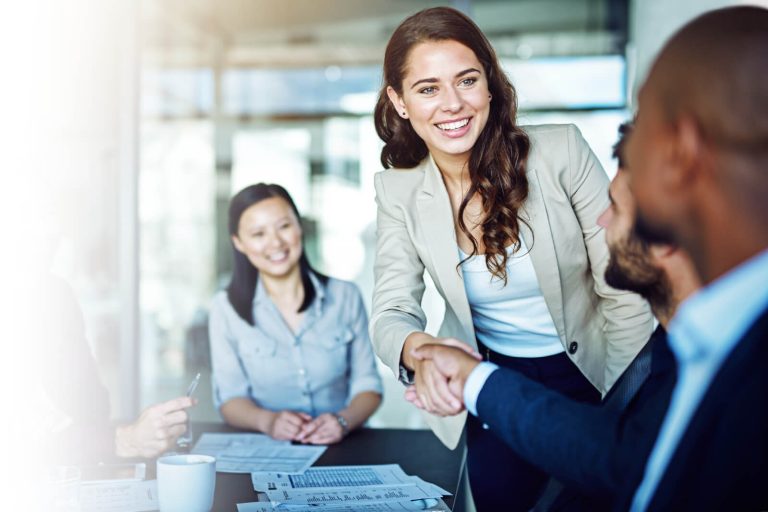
{"x":652,"y":22}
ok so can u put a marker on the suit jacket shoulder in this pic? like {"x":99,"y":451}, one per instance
{"x":552,"y":146}
{"x":722,"y":460}
{"x":400,"y":185}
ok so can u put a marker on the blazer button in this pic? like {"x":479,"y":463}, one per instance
{"x":573,"y":347}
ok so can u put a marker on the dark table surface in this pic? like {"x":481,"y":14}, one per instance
{"x":417,"y":451}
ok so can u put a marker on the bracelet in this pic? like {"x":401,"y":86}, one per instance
{"x":343,"y":423}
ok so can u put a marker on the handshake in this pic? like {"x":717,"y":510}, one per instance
{"x":441,"y":368}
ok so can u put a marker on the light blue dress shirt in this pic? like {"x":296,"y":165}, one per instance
{"x":705,"y":329}
{"x":318,"y":369}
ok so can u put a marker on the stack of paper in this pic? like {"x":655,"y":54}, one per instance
{"x":248,"y":453}
{"x":345,"y":488}
{"x":406,"y":506}
{"x":119,"y":496}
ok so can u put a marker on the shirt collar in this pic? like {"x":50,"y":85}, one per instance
{"x":712,"y":321}
{"x":260,"y":294}
{"x":319,"y":293}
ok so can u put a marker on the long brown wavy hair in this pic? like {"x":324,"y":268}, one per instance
{"x":497,"y":162}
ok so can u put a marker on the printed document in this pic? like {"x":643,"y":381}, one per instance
{"x":119,"y":496}
{"x":249,"y":453}
{"x":345,"y":485}
{"x":430,"y":505}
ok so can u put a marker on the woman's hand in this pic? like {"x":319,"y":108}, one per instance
{"x":431,"y":386}
{"x":325,"y":429}
{"x":287,"y":425}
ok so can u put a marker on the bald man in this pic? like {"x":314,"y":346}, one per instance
{"x":698,"y":160}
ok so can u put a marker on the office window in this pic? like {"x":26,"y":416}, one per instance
{"x":223,"y":109}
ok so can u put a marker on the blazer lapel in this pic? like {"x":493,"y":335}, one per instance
{"x":436,"y":219}
{"x":542,"y":248}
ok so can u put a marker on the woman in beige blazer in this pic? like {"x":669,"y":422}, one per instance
{"x":464,"y":177}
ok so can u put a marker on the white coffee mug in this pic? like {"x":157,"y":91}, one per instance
{"x":185,"y":483}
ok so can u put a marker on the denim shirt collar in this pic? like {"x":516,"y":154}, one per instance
{"x":260,"y":296}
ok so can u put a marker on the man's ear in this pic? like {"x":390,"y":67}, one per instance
{"x":688,"y":150}
{"x":661,"y":251}
{"x":397,"y":102}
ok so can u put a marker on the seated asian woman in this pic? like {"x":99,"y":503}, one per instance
{"x":290,"y":349}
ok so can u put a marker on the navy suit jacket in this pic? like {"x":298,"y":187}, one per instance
{"x":722,"y":460}
{"x":592,"y":449}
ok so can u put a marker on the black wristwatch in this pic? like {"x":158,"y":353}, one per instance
{"x":406,"y":376}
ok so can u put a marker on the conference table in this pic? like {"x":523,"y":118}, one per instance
{"x":418,"y":452}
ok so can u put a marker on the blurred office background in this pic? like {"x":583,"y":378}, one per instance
{"x":165,"y":108}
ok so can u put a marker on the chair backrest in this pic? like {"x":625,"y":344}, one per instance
{"x":630,"y":381}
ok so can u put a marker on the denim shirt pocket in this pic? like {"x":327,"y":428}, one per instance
{"x":329,"y":353}
{"x":337,"y":339}
{"x":257,"y":345}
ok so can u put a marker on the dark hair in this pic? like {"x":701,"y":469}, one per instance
{"x":497,"y":162}
{"x":242,"y":286}
{"x":625,"y":129}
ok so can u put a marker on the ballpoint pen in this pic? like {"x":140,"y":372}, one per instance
{"x":184,"y":440}
{"x":193,"y":385}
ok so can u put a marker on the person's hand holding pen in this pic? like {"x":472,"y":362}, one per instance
{"x":156,"y":429}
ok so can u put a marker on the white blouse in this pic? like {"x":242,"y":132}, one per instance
{"x":514,"y":319}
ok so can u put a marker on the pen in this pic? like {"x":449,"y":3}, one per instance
{"x":184,"y":440}
{"x":193,"y":385}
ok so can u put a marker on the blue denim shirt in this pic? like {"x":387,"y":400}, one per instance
{"x":318,"y":369}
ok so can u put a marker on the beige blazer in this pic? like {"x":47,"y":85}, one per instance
{"x":568,"y":190}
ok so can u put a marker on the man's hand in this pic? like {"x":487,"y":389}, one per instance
{"x":325,"y":429}
{"x":155,"y":431}
{"x":453,"y":365}
{"x":286,"y":425}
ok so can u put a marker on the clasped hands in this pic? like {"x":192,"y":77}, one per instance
{"x":441,"y":368}
{"x":301,"y":427}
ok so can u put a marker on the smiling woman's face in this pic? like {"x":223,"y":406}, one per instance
{"x":269,"y":234}
{"x":445,"y":96}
